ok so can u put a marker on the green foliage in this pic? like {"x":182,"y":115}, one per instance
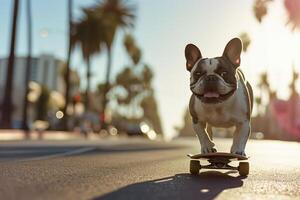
{"x":111,"y":15}
{"x":147,"y":75}
{"x":101,"y":87}
{"x":266,"y":93}
{"x":134,"y":97}
{"x":74,"y":77}
{"x":186,"y":129}
{"x":264,"y":81}
{"x":132,"y":49}
{"x":151,"y":113}
{"x":260,"y":9}
{"x":293,"y":83}
{"x":42,"y":104}
{"x":88,"y":34}
{"x":131,"y":91}
{"x":245,"y":40}
{"x":131,"y":86}
{"x":99,"y":29}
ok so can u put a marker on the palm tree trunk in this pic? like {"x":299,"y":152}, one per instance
{"x":28,"y":67}
{"x":7,"y":106}
{"x":87,"y":91}
{"x":106,"y":88}
{"x":67,"y":73}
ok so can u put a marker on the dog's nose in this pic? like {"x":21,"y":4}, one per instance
{"x":211,"y":78}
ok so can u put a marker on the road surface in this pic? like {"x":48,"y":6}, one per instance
{"x":139,"y":169}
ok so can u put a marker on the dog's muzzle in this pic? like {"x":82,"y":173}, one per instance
{"x":210,"y":84}
{"x":211,"y":93}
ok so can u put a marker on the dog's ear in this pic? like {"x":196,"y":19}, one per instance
{"x":233,"y":51}
{"x":192,"y":54}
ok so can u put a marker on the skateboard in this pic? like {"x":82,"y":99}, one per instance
{"x":219,"y":160}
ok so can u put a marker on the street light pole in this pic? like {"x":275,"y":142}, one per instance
{"x":7,"y":105}
{"x":28,"y":67}
{"x":67,"y":73}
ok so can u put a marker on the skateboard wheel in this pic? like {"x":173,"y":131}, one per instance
{"x":195,"y":166}
{"x":243,"y":168}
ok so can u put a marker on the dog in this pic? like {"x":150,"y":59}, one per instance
{"x":221,"y":96}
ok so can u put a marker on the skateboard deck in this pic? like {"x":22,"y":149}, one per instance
{"x":218,"y":155}
{"x":219,"y":160}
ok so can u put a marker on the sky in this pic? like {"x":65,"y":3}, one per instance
{"x":162,"y":29}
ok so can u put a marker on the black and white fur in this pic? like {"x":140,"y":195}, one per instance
{"x":221,"y":96}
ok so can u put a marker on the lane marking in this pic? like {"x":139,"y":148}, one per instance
{"x":31,"y":151}
{"x":63,"y":154}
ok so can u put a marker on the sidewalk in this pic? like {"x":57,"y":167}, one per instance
{"x":15,"y":134}
{"x":19,"y":135}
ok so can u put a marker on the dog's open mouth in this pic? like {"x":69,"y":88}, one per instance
{"x":214,"y":97}
{"x":211,"y":95}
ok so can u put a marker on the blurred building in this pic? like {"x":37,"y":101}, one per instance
{"x":281,"y":120}
{"x":46,"y":70}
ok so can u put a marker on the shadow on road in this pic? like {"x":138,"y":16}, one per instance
{"x":207,"y":185}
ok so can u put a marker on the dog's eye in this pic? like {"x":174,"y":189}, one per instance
{"x":223,"y":74}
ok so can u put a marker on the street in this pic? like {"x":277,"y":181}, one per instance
{"x":136,"y":168}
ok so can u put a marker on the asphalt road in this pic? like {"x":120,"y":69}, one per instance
{"x":140,"y":169}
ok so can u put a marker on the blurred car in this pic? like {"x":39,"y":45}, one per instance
{"x":136,"y":129}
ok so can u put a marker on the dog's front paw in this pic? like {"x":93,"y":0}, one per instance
{"x":238,"y":151}
{"x":208,"y":148}
{"x":242,"y":153}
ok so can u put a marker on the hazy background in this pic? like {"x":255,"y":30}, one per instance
{"x":162,"y":29}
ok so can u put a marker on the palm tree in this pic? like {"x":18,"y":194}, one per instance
{"x":28,"y":65}
{"x":264,"y":84}
{"x":132,"y":49}
{"x":292,"y":85}
{"x":67,"y":73}
{"x":294,"y":95}
{"x":245,"y":40}
{"x":7,"y":106}
{"x":258,"y":104}
{"x":265,"y":87}
{"x":88,"y":35}
{"x":112,"y":15}
{"x":260,"y":9}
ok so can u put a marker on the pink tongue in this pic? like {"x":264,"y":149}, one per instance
{"x":211,"y":94}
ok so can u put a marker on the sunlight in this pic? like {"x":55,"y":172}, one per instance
{"x":163,"y":180}
{"x":275,"y":49}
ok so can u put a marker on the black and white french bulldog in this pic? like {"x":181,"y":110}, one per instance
{"x":221,"y":96}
